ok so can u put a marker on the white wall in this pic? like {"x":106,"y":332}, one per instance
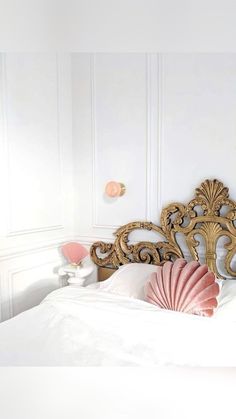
{"x":160,"y":123}
{"x":36,"y":175}
{"x":198,"y":124}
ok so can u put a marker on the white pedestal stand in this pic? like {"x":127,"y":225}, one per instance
{"x":77,"y":275}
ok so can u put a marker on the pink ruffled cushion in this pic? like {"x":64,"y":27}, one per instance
{"x":183,"y":286}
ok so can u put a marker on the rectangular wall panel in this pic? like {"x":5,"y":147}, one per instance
{"x":27,"y":278}
{"x":32,"y":131}
{"x":36,"y":182}
{"x":115,"y":138}
{"x":120,"y":135}
{"x":29,"y":286}
{"x":198,"y":118}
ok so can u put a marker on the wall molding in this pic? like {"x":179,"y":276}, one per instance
{"x":5,"y":136}
{"x":95,"y":224}
{"x":24,"y":250}
{"x":28,"y":257}
{"x":34,"y":246}
{"x":149,"y":153}
{"x":89,"y":240}
{"x":152,"y":139}
{"x":35,"y":230}
{"x":10,"y":277}
{"x":10,"y":231}
{"x":152,"y":136}
{"x":160,"y":135}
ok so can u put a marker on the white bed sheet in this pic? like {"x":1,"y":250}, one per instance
{"x":90,"y":327}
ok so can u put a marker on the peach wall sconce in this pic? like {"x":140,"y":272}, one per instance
{"x":114,"y":189}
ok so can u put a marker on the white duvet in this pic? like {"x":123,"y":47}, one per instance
{"x":89,"y":327}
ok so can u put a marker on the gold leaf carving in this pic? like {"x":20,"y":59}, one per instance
{"x":210,"y":224}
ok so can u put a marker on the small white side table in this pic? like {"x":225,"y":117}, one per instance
{"x":75,"y":275}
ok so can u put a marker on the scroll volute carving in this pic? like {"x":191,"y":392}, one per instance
{"x":210,"y":214}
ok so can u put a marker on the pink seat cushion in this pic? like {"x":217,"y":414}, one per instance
{"x":183,"y":286}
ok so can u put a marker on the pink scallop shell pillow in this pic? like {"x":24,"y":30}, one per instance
{"x":74,"y":252}
{"x":183,"y":286}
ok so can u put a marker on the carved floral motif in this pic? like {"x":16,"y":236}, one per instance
{"x":202,"y":216}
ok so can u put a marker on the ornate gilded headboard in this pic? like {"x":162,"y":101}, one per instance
{"x":211,"y":215}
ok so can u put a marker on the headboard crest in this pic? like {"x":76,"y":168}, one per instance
{"x":210,"y":214}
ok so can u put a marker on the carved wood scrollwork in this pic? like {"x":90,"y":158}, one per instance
{"x":210,"y":214}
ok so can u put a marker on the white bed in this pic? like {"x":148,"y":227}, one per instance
{"x":110,"y":324}
{"x":92,"y":327}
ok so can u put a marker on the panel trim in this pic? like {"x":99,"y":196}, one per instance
{"x":11,"y":253}
{"x":10,"y":277}
{"x":34,"y":230}
{"x":10,"y":231}
{"x":148,"y":136}
{"x":89,"y":240}
{"x":6,"y":308}
{"x":151,"y":211}
{"x":5,"y":135}
{"x":95,"y":224}
{"x":152,"y":136}
{"x":160,"y":134}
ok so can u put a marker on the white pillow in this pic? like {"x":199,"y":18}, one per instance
{"x":227,"y":300}
{"x":129,"y":280}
